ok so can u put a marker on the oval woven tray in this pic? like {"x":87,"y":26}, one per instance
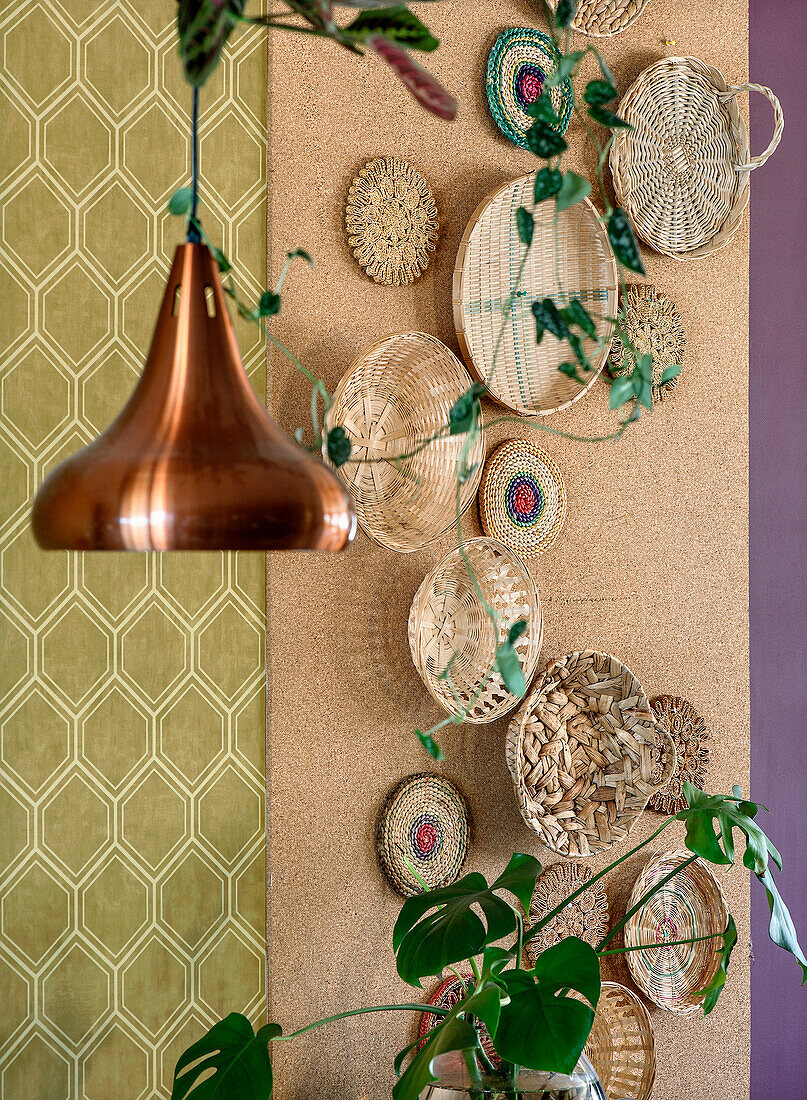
{"x":522,"y":498}
{"x":690,"y":904}
{"x":423,"y":824}
{"x":682,"y":172}
{"x":679,"y":720}
{"x":526,"y":378}
{"x":586,"y":917}
{"x":604,"y":18}
{"x":395,"y":394}
{"x":621,"y":1046}
{"x":518,"y":65}
{"x":447,"y":621}
{"x":581,"y":753}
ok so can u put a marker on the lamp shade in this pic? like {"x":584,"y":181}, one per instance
{"x":193,"y":461}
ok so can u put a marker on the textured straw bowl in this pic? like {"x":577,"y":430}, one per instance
{"x":397,"y":393}
{"x":621,"y":1046}
{"x":682,"y":173}
{"x":604,"y":18}
{"x":581,"y":753}
{"x":691,"y":904}
{"x":522,"y":498}
{"x":526,"y":378}
{"x":447,"y":620}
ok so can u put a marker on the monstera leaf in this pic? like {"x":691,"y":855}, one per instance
{"x":240,"y":1058}
{"x":715,"y":987}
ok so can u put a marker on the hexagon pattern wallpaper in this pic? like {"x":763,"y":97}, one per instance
{"x":132,"y":687}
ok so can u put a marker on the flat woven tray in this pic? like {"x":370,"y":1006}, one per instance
{"x":525,"y":377}
{"x":397,"y":393}
{"x":604,"y":18}
{"x":582,"y":754}
{"x":423,"y":825}
{"x":679,"y":720}
{"x":682,"y":173}
{"x":586,"y":917}
{"x":518,"y":65}
{"x":691,"y":904}
{"x":522,"y":498}
{"x":621,"y":1046}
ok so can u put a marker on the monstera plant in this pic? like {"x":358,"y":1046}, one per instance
{"x":537,"y":1017}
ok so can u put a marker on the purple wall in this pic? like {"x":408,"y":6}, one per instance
{"x":778,"y":534}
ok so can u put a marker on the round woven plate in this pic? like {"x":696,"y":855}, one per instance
{"x":448,"y":623}
{"x":518,"y":65}
{"x":395,"y":394}
{"x":691,"y":904}
{"x":681,"y":722}
{"x":582,"y":754}
{"x":654,"y":326}
{"x":526,"y":378}
{"x":391,"y":221}
{"x":522,"y":498}
{"x":682,"y":171}
{"x":604,"y":18}
{"x":424,"y":822}
{"x":621,"y":1046}
{"x":586,"y":917}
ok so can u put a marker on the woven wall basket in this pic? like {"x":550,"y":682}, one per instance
{"x":682,"y":173}
{"x":525,"y":377}
{"x":518,"y":65}
{"x":582,"y":754}
{"x":447,"y":620}
{"x":522,"y":498}
{"x":604,"y":18}
{"x":586,"y":917}
{"x":395,"y":394}
{"x":621,"y":1046}
{"x":691,"y":904}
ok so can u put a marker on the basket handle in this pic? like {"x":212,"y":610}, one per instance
{"x":734,"y":90}
{"x":672,"y":759}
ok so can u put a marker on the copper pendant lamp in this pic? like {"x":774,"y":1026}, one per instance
{"x":193,"y":461}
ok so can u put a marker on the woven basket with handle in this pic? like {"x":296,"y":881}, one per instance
{"x":682,"y":173}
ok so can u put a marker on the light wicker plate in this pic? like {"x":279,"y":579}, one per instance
{"x":586,"y":917}
{"x":604,"y":18}
{"x":690,"y":904}
{"x":525,"y":377}
{"x":682,"y":172}
{"x":522,"y":498}
{"x":582,"y":754}
{"x":396,"y":394}
{"x":447,"y":621}
{"x":621,"y":1046}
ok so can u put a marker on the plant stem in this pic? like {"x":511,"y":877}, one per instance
{"x":654,"y":946}
{"x":644,"y":898}
{"x":436,"y":1010}
{"x":194,"y":237}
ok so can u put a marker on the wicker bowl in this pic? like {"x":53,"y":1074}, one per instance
{"x":582,"y":754}
{"x":448,"y":621}
{"x":604,"y":18}
{"x":690,"y":904}
{"x":621,"y":1046}
{"x":682,"y":173}
{"x":525,"y":377}
{"x":395,"y":394}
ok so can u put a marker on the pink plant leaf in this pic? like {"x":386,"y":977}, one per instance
{"x":423,"y":86}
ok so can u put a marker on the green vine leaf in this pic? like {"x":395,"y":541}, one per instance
{"x":269,"y":304}
{"x":339,"y":446}
{"x":543,"y":110}
{"x":396,"y":23}
{"x":516,"y":630}
{"x":548,"y":319}
{"x":545,"y":142}
{"x":670,"y":373}
{"x":570,"y":370}
{"x":181,"y":202}
{"x":510,"y":670}
{"x":577,"y":314}
{"x":430,"y":745}
{"x":621,"y":391}
{"x":565,"y":13}
{"x":715,"y":986}
{"x":599,"y":92}
{"x":300,"y":254}
{"x":623,"y":241}
{"x":565,"y":68}
{"x":465,"y":410}
{"x":608,"y":118}
{"x":607,"y":75}
{"x":573,"y":189}
{"x":547,"y":183}
{"x":526,"y":225}
{"x":239,"y":1058}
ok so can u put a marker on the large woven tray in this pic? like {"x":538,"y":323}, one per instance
{"x":682,"y":173}
{"x":526,"y":378}
{"x":621,"y":1046}
{"x":582,"y":754}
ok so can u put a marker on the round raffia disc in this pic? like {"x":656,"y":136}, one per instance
{"x":653,"y":323}
{"x":423,"y":823}
{"x":518,"y":65}
{"x":604,"y":18}
{"x":522,"y":498}
{"x":687,"y":730}
{"x":586,"y":917}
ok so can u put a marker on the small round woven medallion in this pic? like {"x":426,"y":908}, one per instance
{"x":654,"y":326}
{"x":518,"y":65}
{"x":687,"y":730}
{"x":522,"y":498}
{"x":586,"y":917}
{"x":391,"y":221}
{"x":423,"y":825}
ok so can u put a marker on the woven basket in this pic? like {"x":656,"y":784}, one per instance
{"x":447,"y":620}
{"x":604,"y":18}
{"x":679,"y":720}
{"x":522,"y":498}
{"x":691,"y":904}
{"x":581,"y":753}
{"x":586,"y":917}
{"x":395,"y":394}
{"x":518,"y":65}
{"x":682,"y":174}
{"x":621,"y":1046}
{"x":526,"y":378}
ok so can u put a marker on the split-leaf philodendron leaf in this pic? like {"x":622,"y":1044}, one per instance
{"x":239,"y":1057}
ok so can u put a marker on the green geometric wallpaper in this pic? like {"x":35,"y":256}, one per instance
{"x":132,"y":747}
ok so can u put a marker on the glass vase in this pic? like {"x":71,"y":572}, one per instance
{"x":454,"y":1083}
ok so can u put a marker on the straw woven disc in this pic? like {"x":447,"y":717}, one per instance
{"x":654,"y":326}
{"x":391,"y":221}
{"x":424,"y":822}
{"x":604,"y":18}
{"x":518,"y":65}
{"x":621,"y":1046}
{"x":586,"y":917}
{"x":522,"y":498}
{"x":681,"y":722}
{"x":690,"y":904}
{"x":525,"y":375}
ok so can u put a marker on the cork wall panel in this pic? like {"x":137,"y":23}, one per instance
{"x":651,"y":566}
{"x":131,"y":686}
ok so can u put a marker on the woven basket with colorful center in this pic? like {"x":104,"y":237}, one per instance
{"x":522,"y":498}
{"x":518,"y":65}
{"x":423,"y":827}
